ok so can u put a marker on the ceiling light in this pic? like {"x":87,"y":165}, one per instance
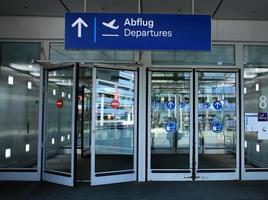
{"x":25,"y":67}
{"x":257,"y":87}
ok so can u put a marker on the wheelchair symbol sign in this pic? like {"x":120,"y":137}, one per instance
{"x":171,"y":127}
{"x":217,"y":127}
{"x":206,"y":105}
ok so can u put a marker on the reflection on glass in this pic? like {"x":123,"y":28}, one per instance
{"x":114,"y":136}
{"x":58,"y":53}
{"x":219,"y":55}
{"x":58,"y":131}
{"x":216,"y":120}
{"x":256,"y":123}
{"x":19,"y":105}
{"x":18,"y":118}
{"x":170,"y":97}
{"x":84,"y":123}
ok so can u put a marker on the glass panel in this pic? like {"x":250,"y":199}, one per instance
{"x":217,"y":129}
{"x":256,"y":123}
{"x":84,"y":123}
{"x":23,"y":52}
{"x":84,"y":110}
{"x":256,"y":56}
{"x":19,"y":105}
{"x":255,"y":104}
{"x":59,"y":54}
{"x":58,"y":132}
{"x":219,"y":55}
{"x":114,"y":136}
{"x":170,"y":104}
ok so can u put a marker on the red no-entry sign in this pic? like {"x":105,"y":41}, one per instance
{"x":115,"y":103}
{"x":59,"y":103}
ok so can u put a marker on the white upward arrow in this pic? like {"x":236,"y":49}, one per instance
{"x":218,"y":104}
{"x":79,"y":22}
{"x":170,"y":103}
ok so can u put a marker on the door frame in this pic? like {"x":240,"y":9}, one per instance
{"x":51,"y":175}
{"x":195,"y":174}
{"x":120,"y":175}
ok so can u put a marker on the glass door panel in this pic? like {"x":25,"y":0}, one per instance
{"x":169,"y":124}
{"x":216,"y":121}
{"x":176,"y":151}
{"x":113,"y":138}
{"x":84,"y":123}
{"x":59,"y":125}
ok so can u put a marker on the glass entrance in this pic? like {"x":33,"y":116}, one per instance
{"x":113,"y":143}
{"x":193,"y":125}
{"x":216,"y":125}
{"x":59,"y":124}
{"x":170,"y":128}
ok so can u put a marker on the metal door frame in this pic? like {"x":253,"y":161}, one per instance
{"x":51,"y":175}
{"x":195,"y":174}
{"x":120,"y":175}
{"x":168,"y":174}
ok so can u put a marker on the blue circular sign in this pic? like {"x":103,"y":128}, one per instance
{"x":217,"y":105}
{"x":171,"y":127}
{"x":182,"y":105}
{"x":217,"y":126}
{"x":170,"y":105}
{"x":206,"y":105}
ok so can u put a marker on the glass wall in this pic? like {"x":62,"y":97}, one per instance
{"x":59,"y":54}
{"x":19,"y":89}
{"x":256,"y":110}
{"x":219,"y":55}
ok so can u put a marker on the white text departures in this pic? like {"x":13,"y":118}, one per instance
{"x":149,"y":24}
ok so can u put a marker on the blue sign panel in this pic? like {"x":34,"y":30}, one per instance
{"x":137,"y":31}
{"x":217,"y":127}
{"x":262,"y":117}
{"x":206,"y":105}
{"x":171,"y":127}
{"x":182,"y":105}
{"x":217,"y":105}
{"x":170,"y":105}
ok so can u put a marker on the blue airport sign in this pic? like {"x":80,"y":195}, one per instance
{"x":217,"y":126}
{"x":170,"y":105}
{"x":217,"y":105}
{"x":137,"y":31}
{"x":171,"y":127}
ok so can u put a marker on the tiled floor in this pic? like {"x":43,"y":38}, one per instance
{"x":221,"y":190}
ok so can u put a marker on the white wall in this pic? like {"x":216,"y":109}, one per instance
{"x":53,"y":28}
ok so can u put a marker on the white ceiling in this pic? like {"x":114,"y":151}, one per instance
{"x":229,"y":9}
